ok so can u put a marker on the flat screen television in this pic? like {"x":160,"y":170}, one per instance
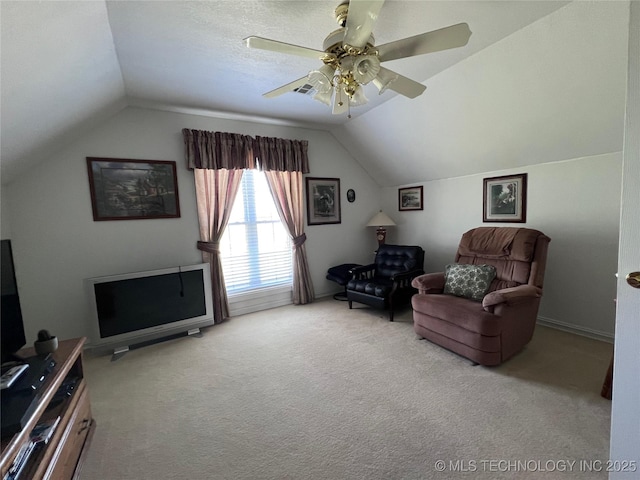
{"x":132,"y":308}
{"x":11,"y":326}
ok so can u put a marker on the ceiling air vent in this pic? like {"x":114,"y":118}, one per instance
{"x":306,"y":89}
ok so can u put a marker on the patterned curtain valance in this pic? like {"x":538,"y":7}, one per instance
{"x":218,"y":150}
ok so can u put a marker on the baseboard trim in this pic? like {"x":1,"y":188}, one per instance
{"x":583,"y":331}
{"x":327,"y":294}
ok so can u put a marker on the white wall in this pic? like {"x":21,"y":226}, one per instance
{"x":576,"y":203}
{"x":57,"y":244}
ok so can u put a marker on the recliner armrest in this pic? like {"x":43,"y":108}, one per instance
{"x":403,"y":279}
{"x":363,"y":269}
{"x":429,"y":283}
{"x":511,"y":295}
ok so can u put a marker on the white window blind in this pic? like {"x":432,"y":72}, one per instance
{"x":255,"y":249}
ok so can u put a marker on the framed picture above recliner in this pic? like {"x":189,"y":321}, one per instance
{"x":505,"y":199}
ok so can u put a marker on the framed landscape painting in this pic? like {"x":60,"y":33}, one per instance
{"x":505,"y":199}
{"x":323,"y":201}
{"x":410,"y":198}
{"x":133,"y":189}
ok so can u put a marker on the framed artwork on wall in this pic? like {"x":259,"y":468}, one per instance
{"x":410,"y":198}
{"x":505,"y":199}
{"x":123,"y":189}
{"x":323,"y":200}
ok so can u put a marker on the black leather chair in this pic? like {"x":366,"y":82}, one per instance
{"x":386,"y":283}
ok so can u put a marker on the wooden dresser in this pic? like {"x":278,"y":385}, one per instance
{"x":62,"y":456}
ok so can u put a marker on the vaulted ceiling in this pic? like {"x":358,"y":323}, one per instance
{"x":534,"y":84}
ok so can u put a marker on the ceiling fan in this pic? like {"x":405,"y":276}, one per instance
{"x":351,"y":59}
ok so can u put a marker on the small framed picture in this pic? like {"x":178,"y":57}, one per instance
{"x":323,"y":200}
{"x":410,"y":198}
{"x":505,"y":199}
{"x":124,"y":189}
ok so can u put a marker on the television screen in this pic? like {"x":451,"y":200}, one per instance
{"x":132,"y":308}
{"x":12,"y":328}
{"x":138,"y":303}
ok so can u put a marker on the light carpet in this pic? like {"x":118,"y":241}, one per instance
{"x":323,"y":392}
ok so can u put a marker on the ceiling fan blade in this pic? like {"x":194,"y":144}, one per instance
{"x":361,"y":18}
{"x":403,"y":85}
{"x":286,"y":88}
{"x":442,"y":39}
{"x":281,"y":47}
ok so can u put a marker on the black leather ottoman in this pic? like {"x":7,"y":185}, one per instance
{"x":341,"y":274}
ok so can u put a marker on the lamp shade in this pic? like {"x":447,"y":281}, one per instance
{"x":358,"y":98}
{"x":322,"y":79}
{"x":324,"y":97}
{"x":380,"y":219}
{"x":365,"y":68}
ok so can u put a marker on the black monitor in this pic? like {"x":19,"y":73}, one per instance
{"x":12,"y":328}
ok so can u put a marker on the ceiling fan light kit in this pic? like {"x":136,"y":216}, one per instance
{"x":324,"y":97}
{"x":351,"y":60}
{"x":322,"y":79}
{"x":358,"y":98}
{"x":366,"y":68}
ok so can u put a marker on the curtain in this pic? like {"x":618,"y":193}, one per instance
{"x":281,"y":155}
{"x":218,"y":160}
{"x":216,"y":150}
{"x":284,"y":162}
{"x":215,"y":192}
{"x":286,"y":188}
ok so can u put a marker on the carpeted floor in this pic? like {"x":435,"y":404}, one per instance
{"x":323,"y":392}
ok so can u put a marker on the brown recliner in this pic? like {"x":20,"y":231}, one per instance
{"x":491,"y":331}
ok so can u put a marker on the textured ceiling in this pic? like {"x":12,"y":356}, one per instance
{"x":67,"y":65}
{"x":192,"y":54}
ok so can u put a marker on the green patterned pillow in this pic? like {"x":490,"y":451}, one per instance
{"x":468,"y":281}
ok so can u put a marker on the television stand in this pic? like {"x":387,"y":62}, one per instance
{"x":194,"y":332}
{"x":120,"y":352}
{"x":64,"y":395}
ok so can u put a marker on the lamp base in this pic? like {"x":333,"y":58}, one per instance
{"x":381,"y":234}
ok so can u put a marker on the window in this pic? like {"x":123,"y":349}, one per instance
{"x":255,"y":249}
